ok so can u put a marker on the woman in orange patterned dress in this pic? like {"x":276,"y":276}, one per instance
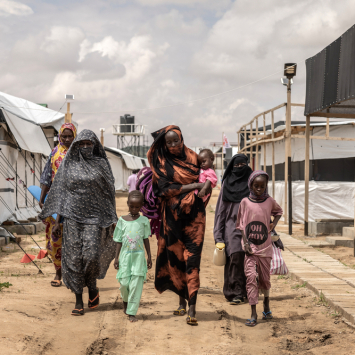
{"x":175,"y":178}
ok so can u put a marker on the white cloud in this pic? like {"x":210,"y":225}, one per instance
{"x":8,"y":7}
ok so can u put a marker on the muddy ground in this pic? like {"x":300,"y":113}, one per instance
{"x":35,"y":317}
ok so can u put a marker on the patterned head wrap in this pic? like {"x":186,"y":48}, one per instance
{"x":66,"y":126}
{"x":252,"y":177}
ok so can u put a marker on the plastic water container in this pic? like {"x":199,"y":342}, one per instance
{"x":219,"y":257}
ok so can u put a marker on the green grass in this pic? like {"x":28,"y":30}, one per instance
{"x":296,"y":287}
{"x":280,"y":277}
{"x":4,"y":285}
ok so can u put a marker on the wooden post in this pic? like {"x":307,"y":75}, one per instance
{"x":251,"y":149}
{"x":264,"y":146}
{"x":306,"y":176}
{"x":257,"y":145}
{"x":245,"y":143}
{"x":67,"y":118}
{"x":327,"y":128}
{"x":102,"y":130}
{"x":273,"y":153}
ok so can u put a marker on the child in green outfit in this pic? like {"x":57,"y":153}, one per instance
{"x":132,"y":231}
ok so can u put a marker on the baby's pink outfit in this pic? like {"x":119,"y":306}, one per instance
{"x":254,"y":220}
{"x":205,"y":175}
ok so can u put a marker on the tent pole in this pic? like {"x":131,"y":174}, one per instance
{"x":273,"y":153}
{"x":285,"y":173}
{"x":306,"y":176}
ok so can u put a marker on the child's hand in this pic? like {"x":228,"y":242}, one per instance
{"x":202,"y":193}
{"x":271,"y":227}
{"x":248,"y":250}
{"x":116,"y":264}
{"x":149,"y":263}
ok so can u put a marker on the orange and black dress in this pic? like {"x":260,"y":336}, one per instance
{"x":183,"y":217}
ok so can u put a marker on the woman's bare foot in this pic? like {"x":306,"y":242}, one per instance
{"x":133,"y":319}
{"x":182,"y":303}
{"x":125,"y":307}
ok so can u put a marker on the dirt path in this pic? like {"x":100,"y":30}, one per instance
{"x":35,"y":317}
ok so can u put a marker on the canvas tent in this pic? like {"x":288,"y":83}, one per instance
{"x":24,"y":149}
{"x":122,"y":165}
{"x":331,"y":171}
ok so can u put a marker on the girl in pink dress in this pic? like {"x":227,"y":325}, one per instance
{"x":207,"y":174}
{"x":253,"y":221}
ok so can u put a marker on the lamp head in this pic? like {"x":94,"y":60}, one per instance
{"x":290,"y":70}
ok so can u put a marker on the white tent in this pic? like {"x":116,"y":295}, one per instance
{"x":122,"y":164}
{"x":328,"y":199}
{"x":23,"y":152}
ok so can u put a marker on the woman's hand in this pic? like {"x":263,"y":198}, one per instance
{"x":56,"y":229}
{"x":41,"y":204}
{"x":116,"y":264}
{"x":271,"y":227}
{"x":248,"y":250}
{"x":149,"y":262}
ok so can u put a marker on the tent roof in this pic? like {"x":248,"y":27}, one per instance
{"x":132,"y":162}
{"x":330,"y":82}
{"x":30,"y":111}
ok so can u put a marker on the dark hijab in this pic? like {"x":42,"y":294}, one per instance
{"x":83,"y":189}
{"x":235,"y":180}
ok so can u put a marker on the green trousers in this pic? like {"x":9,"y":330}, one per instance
{"x":131,"y":292}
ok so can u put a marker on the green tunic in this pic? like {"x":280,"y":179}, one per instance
{"x":132,"y":260}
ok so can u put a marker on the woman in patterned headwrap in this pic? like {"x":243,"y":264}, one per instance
{"x":175,"y":178}
{"x":83,"y":193}
{"x":67,"y":133}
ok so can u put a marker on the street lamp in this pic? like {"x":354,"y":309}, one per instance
{"x":68,"y":98}
{"x":289,"y":72}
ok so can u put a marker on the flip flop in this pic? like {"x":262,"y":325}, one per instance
{"x":56,"y":283}
{"x":191,"y":320}
{"x":95,"y":302}
{"x":77,"y":312}
{"x":179,"y":312}
{"x":251,"y":322}
{"x":237,"y":301}
{"x":267,"y":315}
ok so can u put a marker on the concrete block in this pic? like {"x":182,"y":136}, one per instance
{"x":348,"y":232}
{"x":27,"y":229}
{"x":330,"y":227}
{"x":341,"y":241}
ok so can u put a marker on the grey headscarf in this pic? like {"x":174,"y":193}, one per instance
{"x":83,"y":189}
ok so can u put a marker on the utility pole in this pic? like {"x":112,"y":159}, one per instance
{"x":102,"y":130}
{"x":67,"y":118}
{"x":289,"y":72}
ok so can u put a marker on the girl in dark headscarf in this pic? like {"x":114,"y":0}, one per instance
{"x":175,"y":178}
{"x":234,"y":189}
{"x":83,"y":194}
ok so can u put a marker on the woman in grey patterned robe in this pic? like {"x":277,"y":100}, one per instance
{"x":83,"y":196}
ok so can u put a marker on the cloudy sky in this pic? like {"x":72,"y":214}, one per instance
{"x":136,"y":56}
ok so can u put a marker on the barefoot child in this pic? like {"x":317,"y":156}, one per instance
{"x":132,"y":231}
{"x":253,"y":221}
{"x":207,"y":174}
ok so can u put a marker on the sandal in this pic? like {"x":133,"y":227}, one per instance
{"x":267,"y":315}
{"x":251,"y":322}
{"x":95,"y":302}
{"x":237,"y":301}
{"x":191,"y":320}
{"x":77,"y":312}
{"x":179,"y":312}
{"x":56,"y":283}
